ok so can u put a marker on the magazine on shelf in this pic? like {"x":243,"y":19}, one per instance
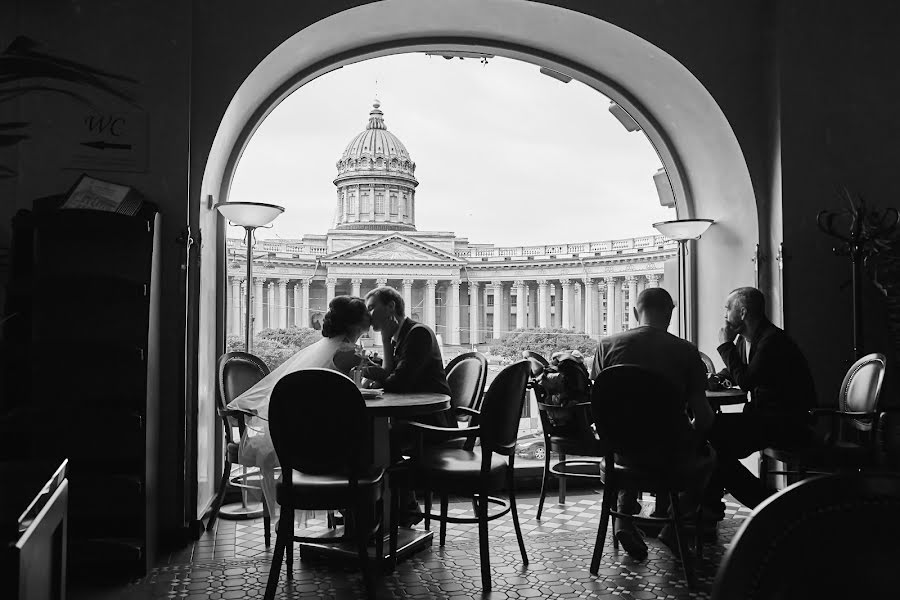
{"x":90,"y":193}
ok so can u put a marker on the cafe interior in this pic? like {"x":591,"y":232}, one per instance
{"x":775,"y":121}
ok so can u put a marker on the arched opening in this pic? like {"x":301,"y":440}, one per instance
{"x":698,"y":148}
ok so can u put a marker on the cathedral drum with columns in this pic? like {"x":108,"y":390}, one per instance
{"x":469,"y":293}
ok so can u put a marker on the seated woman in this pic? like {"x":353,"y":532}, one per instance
{"x":346,"y":320}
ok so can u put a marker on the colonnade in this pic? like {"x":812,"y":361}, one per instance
{"x":464,"y":312}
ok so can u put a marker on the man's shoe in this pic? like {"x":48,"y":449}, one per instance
{"x":667,"y":536}
{"x":412,"y":516}
{"x":633,"y":543}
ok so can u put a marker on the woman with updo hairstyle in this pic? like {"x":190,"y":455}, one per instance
{"x":346,"y":320}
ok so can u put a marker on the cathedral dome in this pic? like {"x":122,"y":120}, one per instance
{"x":375,"y":180}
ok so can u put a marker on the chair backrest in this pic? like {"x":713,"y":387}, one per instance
{"x":639,"y":414}
{"x":502,"y":408}
{"x":318,"y":423}
{"x":833,"y":536}
{"x":467,"y":378}
{"x":237,"y":373}
{"x":861,"y":388}
{"x":708,"y":363}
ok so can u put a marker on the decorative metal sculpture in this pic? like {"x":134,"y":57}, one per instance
{"x":868,"y":234}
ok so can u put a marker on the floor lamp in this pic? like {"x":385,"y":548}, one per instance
{"x":250,"y":216}
{"x":682,"y":230}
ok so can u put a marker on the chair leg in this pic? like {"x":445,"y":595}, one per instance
{"x":483,"y":551}
{"x":561,"y":480}
{"x":698,"y":533}
{"x":395,"y":524}
{"x":363,"y":526}
{"x":609,"y":495}
{"x":289,"y":531}
{"x":515,"y":517}
{"x":428,"y":510}
{"x":379,"y":535}
{"x":445,"y":505}
{"x":764,"y":469}
{"x":267,"y":524}
{"x":220,"y":497}
{"x":686,"y":562}
{"x":282,"y":539}
{"x":544,"y":480}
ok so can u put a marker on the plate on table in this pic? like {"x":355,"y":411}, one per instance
{"x":371,"y":394}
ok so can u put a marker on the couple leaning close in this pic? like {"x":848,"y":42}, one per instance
{"x":760,"y":358}
{"x":412,"y":363}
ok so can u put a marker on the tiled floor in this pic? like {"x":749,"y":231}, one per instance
{"x":232,"y":562}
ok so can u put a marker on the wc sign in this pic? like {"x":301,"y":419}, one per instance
{"x":110,"y":141}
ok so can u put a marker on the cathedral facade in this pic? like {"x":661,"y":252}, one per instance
{"x":469,"y":293}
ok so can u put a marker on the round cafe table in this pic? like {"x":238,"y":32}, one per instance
{"x":731,"y":396}
{"x":382,"y":409}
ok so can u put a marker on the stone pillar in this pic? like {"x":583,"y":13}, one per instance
{"x":236,"y":315}
{"x":356,"y":282}
{"x":453,"y":313}
{"x":298,"y":308}
{"x":578,"y":306}
{"x":304,"y":303}
{"x":590,"y":304}
{"x":258,"y":296}
{"x":653,"y":280}
{"x":611,"y":309}
{"x":407,"y":295}
{"x":273,"y":313}
{"x":282,"y":304}
{"x":632,"y":300}
{"x":498,"y":306}
{"x":543,"y":304}
{"x":430,"y":313}
{"x":330,"y":283}
{"x":531,"y":293}
{"x":521,"y":304}
{"x":473,"y":312}
{"x":566,"y":285}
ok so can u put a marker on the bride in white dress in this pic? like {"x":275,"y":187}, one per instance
{"x":346,"y":320}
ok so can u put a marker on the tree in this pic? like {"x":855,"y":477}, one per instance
{"x":543,"y":341}
{"x":274,"y":346}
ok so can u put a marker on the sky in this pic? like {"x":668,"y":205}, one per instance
{"x":504,"y":154}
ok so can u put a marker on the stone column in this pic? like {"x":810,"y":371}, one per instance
{"x":531,"y":293}
{"x":543,"y":304}
{"x":473,"y":312}
{"x":430,"y":313}
{"x":453,"y":313}
{"x":258,"y":296}
{"x":407,"y":295}
{"x":632,"y":300}
{"x":236,"y":315}
{"x":330,"y":283}
{"x":298,"y":309}
{"x":611,"y":310}
{"x":578,"y":306}
{"x":304,"y":303}
{"x":498,"y":306}
{"x":356,"y":282}
{"x":653,"y":280}
{"x":273,"y":313}
{"x":282,"y":307}
{"x":521,"y":304}
{"x":589,"y":306}
{"x":566,"y":285}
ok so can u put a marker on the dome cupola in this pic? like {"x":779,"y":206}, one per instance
{"x":376,"y":180}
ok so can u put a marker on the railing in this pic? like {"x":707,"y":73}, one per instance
{"x":628,"y":245}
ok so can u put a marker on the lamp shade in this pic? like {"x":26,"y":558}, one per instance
{"x":683,"y":229}
{"x":249,"y":214}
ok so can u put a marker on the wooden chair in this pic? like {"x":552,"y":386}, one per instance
{"x":479,"y":472}
{"x":828,"y":537}
{"x":708,"y":363}
{"x":236,"y":373}
{"x":323,"y":439}
{"x":639,"y":415}
{"x":467,"y":378}
{"x":852,"y":442}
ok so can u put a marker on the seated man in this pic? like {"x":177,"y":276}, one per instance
{"x":782,"y":392}
{"x":651,"y":346}
{"x":412,"y":363}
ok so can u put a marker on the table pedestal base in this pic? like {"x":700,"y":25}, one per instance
{"x":409,"y":541}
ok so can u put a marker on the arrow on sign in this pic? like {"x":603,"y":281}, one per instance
{"x":101,"y":145}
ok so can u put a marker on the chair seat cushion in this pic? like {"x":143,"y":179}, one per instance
{"x":580,"y":446}
{"x":673,"y":477}
{"x":458,"y":470}
{"x":329,"y":491}
{"x":232,"y":452}
{"x":838,"y":454}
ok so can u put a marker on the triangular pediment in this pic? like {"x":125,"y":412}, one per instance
{"x":393,"y":248}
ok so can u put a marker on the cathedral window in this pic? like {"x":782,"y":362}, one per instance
{"x":365,"y":203}
{"x":393,"y":204}
{"x":379,"y":204}
{"x":354,"y":204}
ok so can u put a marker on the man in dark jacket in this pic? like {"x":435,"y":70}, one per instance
{"x":412,"y":363}
{"x":782,"y":392}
